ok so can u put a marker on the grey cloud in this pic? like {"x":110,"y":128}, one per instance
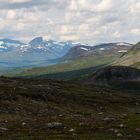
{"x":34,"y":3}
{"x":47,"y":17}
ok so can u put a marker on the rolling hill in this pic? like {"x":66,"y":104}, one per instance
{"x":79,"y":61}
{"x":68,"y":67}
{"x":36,"y":56}
{"x":131,"y":58}
{"x":115,"y":76}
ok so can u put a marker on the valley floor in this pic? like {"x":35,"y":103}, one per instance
{"x":33,"y":109}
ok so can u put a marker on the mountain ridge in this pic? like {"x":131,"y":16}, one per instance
{"x":131,"y":58}
{"x":40,"y":52}
{"x":84,"y":50}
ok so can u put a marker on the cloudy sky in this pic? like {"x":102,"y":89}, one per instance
{"x":87,"y":21}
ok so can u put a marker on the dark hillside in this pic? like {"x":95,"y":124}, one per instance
{"x":113,"y":76}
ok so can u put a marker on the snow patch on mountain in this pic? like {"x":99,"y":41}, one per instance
{"x":1,"y":42}
{"x":84,"y":48}
{"x":102,"y":49}
{"x":122,"y":51}
{"x":2,"y":47}
{"x":124,"y":44}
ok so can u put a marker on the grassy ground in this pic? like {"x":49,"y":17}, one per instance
{"x":131,"y":58}
{"x":85,"y":112}
{"x":136,"y":65}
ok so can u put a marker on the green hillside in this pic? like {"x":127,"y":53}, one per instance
{"x":131,"y":58}
{"x":80,"y":64}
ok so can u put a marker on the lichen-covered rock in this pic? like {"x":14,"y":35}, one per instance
{"x":55,"y":125}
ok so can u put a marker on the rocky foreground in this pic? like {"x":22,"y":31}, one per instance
{"x":34,"y":109}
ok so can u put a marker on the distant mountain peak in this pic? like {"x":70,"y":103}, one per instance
{"x":104,"y":48}
{"x":40,"y":50}
{"x":36,"y":41}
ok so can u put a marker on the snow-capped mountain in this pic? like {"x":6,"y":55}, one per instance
{"x":38,"y":44}
{"x":105,"y":48}
{"x":51,"y":48}
{"x":8,"y":45}
{"x":35,"y":53}
{"x":41,"y":52}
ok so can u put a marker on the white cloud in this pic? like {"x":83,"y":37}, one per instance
{"x":104,"y":5}
{"x":90,"y":5}
{"x":20,"y":26}
{"x":69,"y":37}
{"x":135,"y":31}
{"x":11,"y":14}
{"x":135,"y":7}
{"x":117,"y":34}
{"x":84,"y":27}
{"x":89,"y":21}
{"x":47,"y":37}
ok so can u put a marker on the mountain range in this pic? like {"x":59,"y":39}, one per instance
{"x":40,"y":52}
{"x":35,"y":53}
{"x":99,"y":101}
{"x":105,"y":48}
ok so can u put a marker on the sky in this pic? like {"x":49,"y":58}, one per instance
{"x":86,"y":21}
